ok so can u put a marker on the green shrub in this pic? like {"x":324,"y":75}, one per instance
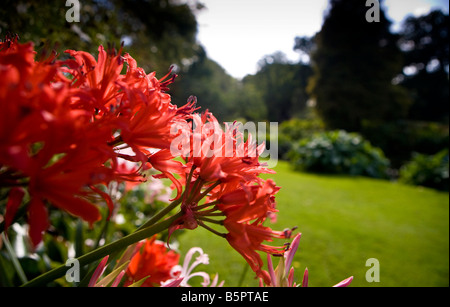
{"x":399,"y":139}
{"x":427,"y":170}
{"x":339,"y":152}
{"x":293,"y":130}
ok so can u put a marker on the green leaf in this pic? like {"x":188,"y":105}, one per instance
{"x":139,"y":283}
{"x":111,"y":276}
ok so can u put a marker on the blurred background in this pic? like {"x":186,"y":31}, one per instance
{"x":356,"y":90}
{"x":318,"y":61}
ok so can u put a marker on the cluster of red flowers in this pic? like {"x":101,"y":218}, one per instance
{"x":149,"y":263}
{"x":151,"y":260}
{"x":227,"y":177}
{"x":64,"y":125}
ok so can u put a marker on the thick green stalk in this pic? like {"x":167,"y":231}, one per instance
{"x":103,"y":251}
{"x":161,"y":213}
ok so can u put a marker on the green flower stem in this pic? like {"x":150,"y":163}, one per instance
{"x":161,"y":213}
{"x":103,"y":251}
{"x":223,"y":235}
{"x":199,"y":197}
{"x":14,"y":259}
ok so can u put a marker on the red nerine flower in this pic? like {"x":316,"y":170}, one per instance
{"x":95,"y":84}
{"x":223,"y":171}
{"x":154,"y":260}
{"x":250,"y":202}
{"x":247,"y":239}
{"x":65,"y":127}
{"x":246,"y":210}
{"x":222,"y":155}
{"x":64,"y":123}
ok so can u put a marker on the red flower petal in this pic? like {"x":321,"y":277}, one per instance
{"x":37,"y":220}
{"x":15,"y":197}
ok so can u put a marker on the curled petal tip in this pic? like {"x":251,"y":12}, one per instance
{"x":344,"y":283}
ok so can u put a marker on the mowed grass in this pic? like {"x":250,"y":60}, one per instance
{"x":344,"y":221}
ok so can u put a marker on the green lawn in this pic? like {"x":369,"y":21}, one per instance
{"x":344,"y":221}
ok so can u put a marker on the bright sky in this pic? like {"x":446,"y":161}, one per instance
{"x":238,"y":33}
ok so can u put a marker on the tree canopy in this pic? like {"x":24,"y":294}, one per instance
{"x":425,"y":46}
{"x":358,"y":73}
{"x":159,"y":33}
{"x":354,"y":64}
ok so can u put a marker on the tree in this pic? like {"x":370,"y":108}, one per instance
{"x":158,"y":33}
{"x":208,"y":81}
{"x":282,"y":86}
{"x":424,"y":41}
{"x":162,"y":32}
{"x":305,"y":46}
{"x":354,"y":64}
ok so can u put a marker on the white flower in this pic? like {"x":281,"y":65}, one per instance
{"x":182,"y":274}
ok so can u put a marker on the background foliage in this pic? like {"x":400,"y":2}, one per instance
{"x":339,"y":152}
{"x":427,"y":170}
